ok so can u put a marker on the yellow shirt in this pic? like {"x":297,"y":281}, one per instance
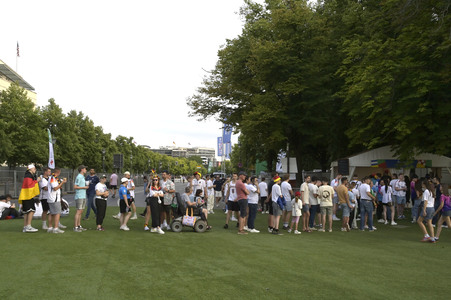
{"x":342,"y":192}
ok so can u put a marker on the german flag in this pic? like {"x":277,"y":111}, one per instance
{"x":30,"y":188}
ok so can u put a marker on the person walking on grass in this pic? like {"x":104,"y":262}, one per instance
{"x":366,"y":204}
{"x":101,"y":202}
{"x":427,"y":212}
{"x":43,"y":185}
{"x":30,"y":189}
{"x":276,"y":193}
{"x":54,"y":200}
{"x":287,"y":193}
{"x":91,"y":193}
{"x":113,"y":183}
{"x":305,"y":204}
{"x":325,"y":198}
{"x":80,"y":187}
{"x":242,"y":192}
{"x":387,"y":202}
{"x":345,"y":205}
{"x":296,"y":205}
{"x":124,"y":204}
{"x":445,"y":207}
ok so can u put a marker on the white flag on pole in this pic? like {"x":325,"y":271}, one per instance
{"x":51,"y":156}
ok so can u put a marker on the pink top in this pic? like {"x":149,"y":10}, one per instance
{"x":446,"y":202}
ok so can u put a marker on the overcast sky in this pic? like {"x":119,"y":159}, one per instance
{"x":128,"y":65}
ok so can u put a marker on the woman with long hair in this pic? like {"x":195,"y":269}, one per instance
{"x":153,"y":201}
{"x":427,"y":212}
{"x":445,"y":207}
{"x":387,"y":202}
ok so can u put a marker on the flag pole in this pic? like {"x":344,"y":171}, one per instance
{"x":17,"y":58}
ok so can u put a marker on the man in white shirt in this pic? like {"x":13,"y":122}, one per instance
{"x":400,"y":189}
{"x":313,"y":201}
{"x":366,"y":204}
{"x":230,"y":195}
{"x":43,"y":197}
{"x":168,"y":188}
{"x":287,"y":193}
{"x":276,"y":192}
{"x":199,"y":184}
{"x":263,"y":187}
{"x":305,"y":203}
{"x":334,"y":184}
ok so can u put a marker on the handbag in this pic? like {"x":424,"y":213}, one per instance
{"x":189,"y":220}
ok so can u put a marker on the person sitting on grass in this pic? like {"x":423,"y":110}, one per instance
{"x":427,"y":211}
{"x":124,"y":204}
{"x":7,"y":210}
{"x":445,"y":206}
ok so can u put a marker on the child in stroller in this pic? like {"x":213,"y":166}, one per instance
{"x":189,"y":207}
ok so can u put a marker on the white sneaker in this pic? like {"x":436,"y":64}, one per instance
{"x":29,"y":229}
{"x":254,"y":231}
{"x":381,"y":221}
{"x":146,"y":228}
{"x":57,"y":230}
{"x":289,"y":230}
{"x":297,"y":232}
{"x":233,"y":219}
{"x":366,"y":227}
{"x":116,"y":216}
{"x":386,"y":223}
{"x":374,"y":228}
{"x":343,"y":229}
{"x":246,"y":228}
{"x":125,"y":228}
{"x":44,"y":226}
{"x":444,"y":226}
{"x":61,"y":226}
{"x":334,"y":217}
{"x":226,"y":211}
{"x":134,"y":217}
{"x":50,"y":230}
{"x":313,"y":229}
{"x":269,"y":230}
{"x":393,"y":223}
{"x":160,"y":231}
{"x":153,"y":230}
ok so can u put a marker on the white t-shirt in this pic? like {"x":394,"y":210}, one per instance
{"x":286,"y":188}
{"x":363,"y":189}
{"x":129,"y":186}
{"x":334,"y":184}
{"x":253,"y":195}
{"x":386,"y":196}
{"x":232,"y":194}
{"x":3,"y":206}
{"x":356,"y":193}
{"x":392,"y":184}
{"x":276,"y":192}
{"x":352,"y":200}
{"x":305,"y":189}
{"x":263,"y":189}
{"x":313,"y":189}
{"x":52,"y":195}
{"x":101,"y":188}
{"x":43,"y":183}
{"x":400,"y":185}
{"x":210,"y":189}
{"x":199,"y":185}
{"x":427,"y":196}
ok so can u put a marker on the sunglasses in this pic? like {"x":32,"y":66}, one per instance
{"x":154,"y":179}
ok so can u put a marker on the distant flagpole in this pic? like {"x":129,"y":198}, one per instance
{"x":17,"y":58}
{"x":51,"y":156}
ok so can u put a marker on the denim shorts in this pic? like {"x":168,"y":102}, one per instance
{"x":305,"y":208}
{"x":400,"y":200}
{"x":446,"y":213}
{"x":429,"y":213}
{"x":346,"y":210}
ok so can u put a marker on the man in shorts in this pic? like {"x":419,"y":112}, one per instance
{"x":54,"y":200}
{"x":287,"y":193}
{"x":30,"y":189}
{"x":168,"y":188}
{"x":334,"y":184}
{"x":345,"y":204}
{"x":131,"y":191}
{"x":242,"y":192}
{"x":217,"y":185}
{"x":43,"y":185}
{"x":276,"y":192}
{"x":325,"y":198}
{"x":269,"y":201}
{"x":80,"y":187}
{"x":113,"y":183}
{"x":230,"y":195}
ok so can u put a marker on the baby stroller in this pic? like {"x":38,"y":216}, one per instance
{"x":187,"y":216}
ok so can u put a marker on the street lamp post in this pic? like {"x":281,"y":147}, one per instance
{"x":131,"y":163}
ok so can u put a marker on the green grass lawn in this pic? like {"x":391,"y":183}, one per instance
{"x":390,"y":263}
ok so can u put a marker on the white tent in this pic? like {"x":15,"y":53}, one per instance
{"x":381,"y":159}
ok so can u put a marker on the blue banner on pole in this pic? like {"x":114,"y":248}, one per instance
{"x":228,"y":150}
{"x":226,"y":133}
{"x":220,"y":147}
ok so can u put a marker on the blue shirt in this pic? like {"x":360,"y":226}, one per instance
{"x":92,"y":186}
{"x":81,"y":182}
{"x":123,"y":191}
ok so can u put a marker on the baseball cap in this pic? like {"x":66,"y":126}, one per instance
{"x":30,"y":166}
{"x":127,"y":173}
{"x":242,"y":173}
{"x":103,"y":176}
{"x":297,"y":194}
{"x":124,"y":179}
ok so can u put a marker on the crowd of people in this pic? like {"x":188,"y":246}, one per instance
{"x":317,"y":202}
